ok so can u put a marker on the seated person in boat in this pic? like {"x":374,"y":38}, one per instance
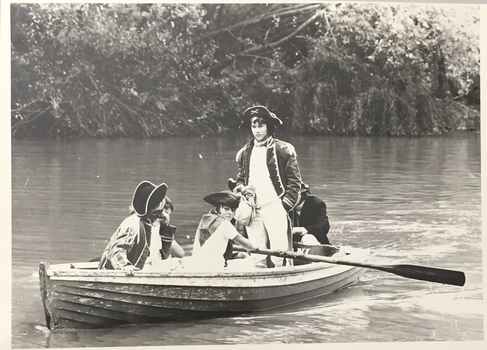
{"x":212,"y":248}
{"x":163,"y":243}
{"x":310,"y":220}
{"x":128,"y":247}
{"x":169,"y":245}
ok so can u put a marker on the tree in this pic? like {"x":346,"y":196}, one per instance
{"x":147,"y":70}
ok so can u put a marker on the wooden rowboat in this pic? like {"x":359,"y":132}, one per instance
{"x":78,"y":296}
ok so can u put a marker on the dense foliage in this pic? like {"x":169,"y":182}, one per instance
{"x":147,"y":70}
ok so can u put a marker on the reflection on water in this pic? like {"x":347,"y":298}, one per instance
{"x":409,"y":200}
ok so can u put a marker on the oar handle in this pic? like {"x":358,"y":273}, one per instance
{"x":301,"y":256}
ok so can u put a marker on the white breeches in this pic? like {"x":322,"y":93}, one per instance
{"x":268,"y":229}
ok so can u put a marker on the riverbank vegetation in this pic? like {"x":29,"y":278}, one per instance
{"x":151,"y":70}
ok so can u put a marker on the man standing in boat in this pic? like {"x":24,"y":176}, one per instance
{"x":129,"y":246}
{"x":271,"y":167}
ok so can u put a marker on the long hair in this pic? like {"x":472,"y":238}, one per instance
{"x":169,"y":204}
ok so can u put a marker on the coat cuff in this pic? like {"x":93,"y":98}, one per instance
{"x":287,"y":204}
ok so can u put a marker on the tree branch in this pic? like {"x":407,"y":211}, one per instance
{"x":261,"y":48}
{"x":267,"y":59}
{"x":255,"y":20}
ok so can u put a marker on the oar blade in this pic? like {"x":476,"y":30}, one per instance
{"x":425,"y":273}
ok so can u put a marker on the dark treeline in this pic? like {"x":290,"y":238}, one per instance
{"x":150,"y":70}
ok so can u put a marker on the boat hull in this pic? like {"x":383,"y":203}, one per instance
{"x":76,"y":298}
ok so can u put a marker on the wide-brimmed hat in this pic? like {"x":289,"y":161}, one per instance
{"x":259,"y":111}
{"x":147,"y":196}
{"x":222,"y":198}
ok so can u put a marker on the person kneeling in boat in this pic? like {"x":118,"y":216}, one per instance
{"x":213,"y":248}
{"x":128,"y":247}
{"x":310,"y":220}
{"x":311,"y":226}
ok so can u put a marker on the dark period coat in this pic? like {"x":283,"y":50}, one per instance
{"x":314,"y":218}
{"x":283,"y":169}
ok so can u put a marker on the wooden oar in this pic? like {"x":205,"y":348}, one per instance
{"x":417,"y":272}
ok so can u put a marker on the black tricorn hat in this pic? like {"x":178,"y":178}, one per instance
{"x":147,"y":196}
{"x":222,"y":198}
{"x":259,"y":111}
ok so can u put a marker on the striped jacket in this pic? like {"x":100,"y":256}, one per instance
{"x":129,"y":245}
{"x":283,"y":167}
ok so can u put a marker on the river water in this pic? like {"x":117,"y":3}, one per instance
{"x":412,"y":201}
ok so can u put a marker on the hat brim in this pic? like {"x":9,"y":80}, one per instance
{"x":156,"y":196}
{"x":273,"y":119}
{"x":259,"y":111}
{"x":222,"y":198}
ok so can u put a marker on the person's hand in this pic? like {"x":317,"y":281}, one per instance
{"x":241,"y":255}
{"x":249,"y":194}
{"x":238,"y":188}
{"x":296,"y":236}
{"x":239,"y":195}
{"x":129,"y":269}
{"x":299,"y":231}
{"x":165,"y":217}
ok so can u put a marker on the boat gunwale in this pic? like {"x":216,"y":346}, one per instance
{"x":65,"y":272}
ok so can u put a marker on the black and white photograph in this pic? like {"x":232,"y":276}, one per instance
{"x":255,"y":174}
